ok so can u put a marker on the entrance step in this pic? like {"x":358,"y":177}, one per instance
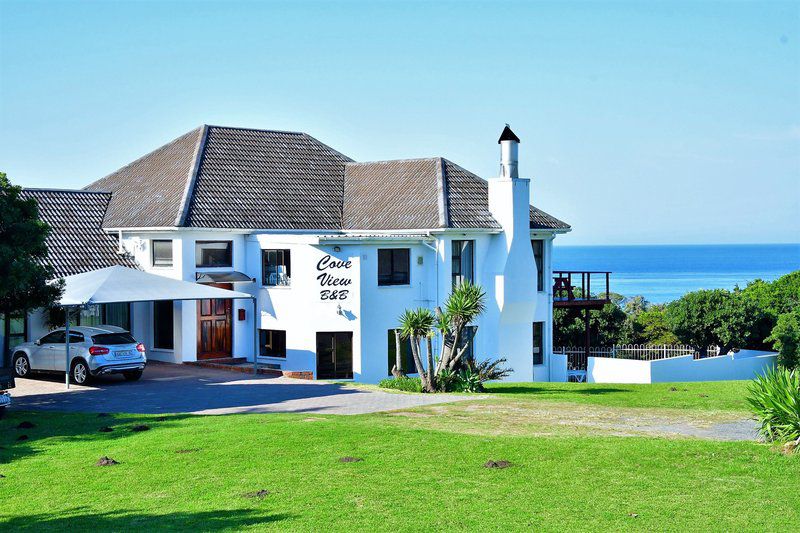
{"x":241,"y":364}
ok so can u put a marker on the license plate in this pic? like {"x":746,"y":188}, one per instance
{"x":124,"y":353}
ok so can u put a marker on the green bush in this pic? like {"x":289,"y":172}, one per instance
{"x":786,"y":338}
{"x":404,"y":383}
{"x":775,"y":400}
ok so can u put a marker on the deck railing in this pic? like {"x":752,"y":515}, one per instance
{"x":581,"y":286}
{"x":576,"y":355}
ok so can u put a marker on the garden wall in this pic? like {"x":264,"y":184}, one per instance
{"x":745,"y":364}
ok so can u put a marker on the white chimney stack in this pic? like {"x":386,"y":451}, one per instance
{"x":509,"y":154}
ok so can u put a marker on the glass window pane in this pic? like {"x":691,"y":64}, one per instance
{"x":162,"y":253}
{"x":538,"y":343}
{"x":163,"y":325}
{"x":213,"y":253}
{"x":118,"y":314}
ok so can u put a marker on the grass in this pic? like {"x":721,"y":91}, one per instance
{"x":412,"y":477}
{"x":705,"y":396}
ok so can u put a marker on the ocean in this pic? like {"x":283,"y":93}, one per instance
{"x":662,"y":273}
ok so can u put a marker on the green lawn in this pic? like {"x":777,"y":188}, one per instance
{"x":707,"y":396}
{"x":411,"y":477}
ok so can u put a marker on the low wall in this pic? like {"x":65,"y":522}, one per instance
{"x":558,"y":367}
{"x":745,"y":364}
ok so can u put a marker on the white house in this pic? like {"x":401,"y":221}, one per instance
{"x":334,"y":250}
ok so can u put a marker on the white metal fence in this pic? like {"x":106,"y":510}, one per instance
{"x":576,"y":355}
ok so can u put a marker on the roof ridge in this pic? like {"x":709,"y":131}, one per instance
{"x":405,"y":160}
{"x":70,"y":191}
{"x":148,"y":154}
{"x":243,"y":128}
{"x":191,"y":178}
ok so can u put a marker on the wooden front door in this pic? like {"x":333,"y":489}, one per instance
{"x":335,"y":355}
{"x":214,"y":333}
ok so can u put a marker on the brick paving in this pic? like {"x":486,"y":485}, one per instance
{"x":166,"y":388}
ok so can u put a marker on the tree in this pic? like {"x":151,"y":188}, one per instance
{"x":786,"y":339}
{"x":774,"y":299}
{"x":712,"y":317}
{"x":417,"y":325}
{"x":650,"y":327}
{"x":465,"y":303}
{"x":24,"y":269}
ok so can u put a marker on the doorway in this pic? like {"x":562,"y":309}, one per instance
{"x":335,"y":355}
{"x":214,"y":331}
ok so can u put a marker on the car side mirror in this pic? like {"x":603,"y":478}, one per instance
{"x":37,"y":342}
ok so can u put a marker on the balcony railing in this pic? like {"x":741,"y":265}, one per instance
{"x":576,"y":288}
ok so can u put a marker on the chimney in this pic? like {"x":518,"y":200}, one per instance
{"x":509,"y":150}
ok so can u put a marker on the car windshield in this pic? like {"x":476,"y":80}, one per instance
{"x":113,"y":338}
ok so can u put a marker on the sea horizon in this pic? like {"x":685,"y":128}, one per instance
{"x":664,"y":272}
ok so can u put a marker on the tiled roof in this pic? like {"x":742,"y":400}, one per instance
{"x":401,"y":194}
{"x":149,"y":192}
{"x":257,"y":179}
{"x":217,"y":177}
{"x":77,"y":242}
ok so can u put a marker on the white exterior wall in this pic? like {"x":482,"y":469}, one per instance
{"x":745,"y":364}
{"x":369,"y":310}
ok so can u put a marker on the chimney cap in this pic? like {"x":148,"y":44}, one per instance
{"x":508,"y":135}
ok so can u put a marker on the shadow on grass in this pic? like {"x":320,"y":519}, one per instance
{"x":71,"y":427}
{"x":81,"y":519}
{"x":553,"y":391}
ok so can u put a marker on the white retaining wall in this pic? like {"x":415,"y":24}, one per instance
{"x":745,"y":364}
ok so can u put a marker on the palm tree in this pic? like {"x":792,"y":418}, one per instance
{"x":417,"y":324}
{"x":465,"y":303}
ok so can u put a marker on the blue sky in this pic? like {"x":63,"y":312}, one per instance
{"x":640,"y":122}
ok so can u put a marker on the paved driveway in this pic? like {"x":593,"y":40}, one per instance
{"x":166,"y":388}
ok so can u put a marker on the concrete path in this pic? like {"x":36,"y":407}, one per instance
{"x":168,"y":388}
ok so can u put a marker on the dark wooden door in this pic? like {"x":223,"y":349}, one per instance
{"x":335,"y":355}
{"x":214,"y":335}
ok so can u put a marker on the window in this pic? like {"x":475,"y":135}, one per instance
{"x":538,"y":343}
{"x":55,"y":337}
{"x":75,"y":336}
{"x":118,"y":314}
{"x":538,"y":257}
{"x":272,"y":343}
{"x":463,"y":262}
{"x":162,"y":325}
{"x":14,"y":331}
{"x":276,"y":268}
{"x":162,"y":253}
{"x":406,"y":358}
{"x":394,"y":266}
{"x":213,"y":253}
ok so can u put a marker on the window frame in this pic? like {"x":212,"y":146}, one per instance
{"x":198,"y":255}
{"x":538,"y":260}
{"x":538,"y":358}
{"x":262,"y":345}
{"x":286,"y":254}
{"x":390,"y":281}
{"x":156,"y":311}
{"x":153,"y":253}
{"x":457,"y":258}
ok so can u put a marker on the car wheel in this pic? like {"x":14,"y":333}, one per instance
{"x":22,"y":367}
{"x":79,"y":373}
{"x":132,"y":376}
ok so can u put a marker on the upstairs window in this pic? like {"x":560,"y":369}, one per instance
{"x":463,"y":262}
{"x":538,"y":257}
{"x":394,"y":266}
{"x":213,"y":253}
{"x":276,"y":268}
{"x":162,"y":253}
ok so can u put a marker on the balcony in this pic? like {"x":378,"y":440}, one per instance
{"x":581,"y":289}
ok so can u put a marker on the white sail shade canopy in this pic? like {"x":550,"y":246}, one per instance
{"x":121,"y":284}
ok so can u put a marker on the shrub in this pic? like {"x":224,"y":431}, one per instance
{"x":404,"y":383}
{"x":786,"y":338}
{"x":473,"y":375}
{"x":775,"y":400}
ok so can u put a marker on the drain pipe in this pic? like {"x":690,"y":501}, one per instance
{"x":435,"y":249}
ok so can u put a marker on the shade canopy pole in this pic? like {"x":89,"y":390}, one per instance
{"x":66,"y":344}
{"x":255,"y":337}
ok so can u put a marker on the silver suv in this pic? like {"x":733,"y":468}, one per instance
{"x":94,"y":351}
